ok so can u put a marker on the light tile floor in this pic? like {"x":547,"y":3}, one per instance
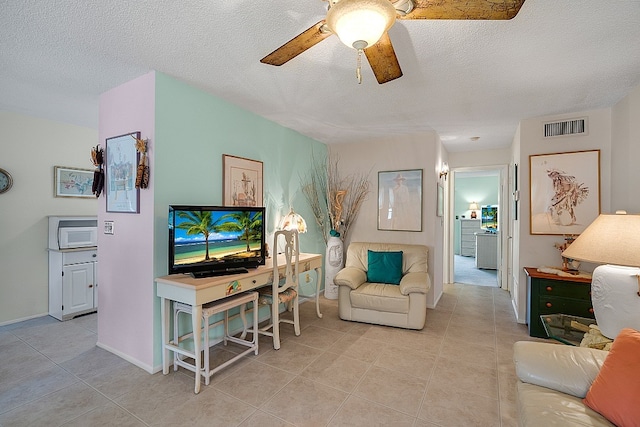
{"x":457,"y":371}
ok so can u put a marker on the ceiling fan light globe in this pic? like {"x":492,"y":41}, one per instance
{"x":357,"y":21}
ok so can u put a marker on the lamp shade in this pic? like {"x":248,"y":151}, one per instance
{"x":610,"y":239}
{"x":360,"y":23}
{"x":474,"y":206}
{"x":293,"y":221}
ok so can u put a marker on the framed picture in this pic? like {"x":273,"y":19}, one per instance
{"x":242,"y":183}
{"x":120,"y":174}
{"x":440,"y":201}
{"x":72,"y":182}
{"x":400,"y":200}
{"x":565,"y":191}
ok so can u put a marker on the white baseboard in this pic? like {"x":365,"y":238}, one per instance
{"x":139,"y":364}
{"x":22,"y":319}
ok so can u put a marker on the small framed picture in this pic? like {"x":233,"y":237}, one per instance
{"x":400,"y":200}
{"x":120,"y":174}
{"x":72,"y":182}
{"x":242,"y":183}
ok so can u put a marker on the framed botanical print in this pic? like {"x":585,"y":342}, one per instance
{"x":120,"y":174}
{"x":242,"y":183}
{"x":72,"y":182}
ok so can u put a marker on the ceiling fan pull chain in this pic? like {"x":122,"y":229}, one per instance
{"x":358,"y":67}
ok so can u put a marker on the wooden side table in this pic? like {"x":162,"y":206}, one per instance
{"x":552,"y":294}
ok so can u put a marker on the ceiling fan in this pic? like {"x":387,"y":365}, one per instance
{"x":363,"y":25}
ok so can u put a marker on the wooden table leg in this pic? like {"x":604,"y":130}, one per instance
{"x":318,"y":283}
{"x":165,"y":309}
{"x":196,"y":320}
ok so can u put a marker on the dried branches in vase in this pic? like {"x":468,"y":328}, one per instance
{"x":335,"y":201}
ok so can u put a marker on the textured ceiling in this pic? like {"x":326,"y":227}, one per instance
{"x":461,"y":78}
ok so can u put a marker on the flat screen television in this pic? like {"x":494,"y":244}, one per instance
{"x":489,"y":217}
{"x":215,"y":240}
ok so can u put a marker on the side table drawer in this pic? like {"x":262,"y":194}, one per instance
{"x":563,"y":289}
{"x":550,"y":305}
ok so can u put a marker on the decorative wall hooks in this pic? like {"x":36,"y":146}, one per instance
{"x":97,"y":158}
{"x":142,"y":173}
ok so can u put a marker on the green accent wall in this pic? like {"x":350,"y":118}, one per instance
{"x":192,"y":131}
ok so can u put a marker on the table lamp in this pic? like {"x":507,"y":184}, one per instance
{"x":613,"y":240}
{"x":293,"y":221}
{"x":473,"y":207}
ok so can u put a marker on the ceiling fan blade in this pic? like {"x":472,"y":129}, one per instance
{"x":297,"y":45}
{"x":464,"y":9}
{"x":383,"y":60}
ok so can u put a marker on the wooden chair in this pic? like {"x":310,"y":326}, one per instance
{"x":284,"y":289}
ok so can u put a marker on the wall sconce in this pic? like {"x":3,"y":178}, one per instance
{"x":444,"y":171}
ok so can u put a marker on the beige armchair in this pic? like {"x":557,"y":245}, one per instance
{"x":403,"y":305}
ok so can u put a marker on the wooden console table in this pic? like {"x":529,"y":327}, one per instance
{"x":553,"y":294}
{"x":196,"y":292}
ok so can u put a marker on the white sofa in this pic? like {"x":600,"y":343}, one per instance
{"x":552,"y":381}
{"x":403,"y":305}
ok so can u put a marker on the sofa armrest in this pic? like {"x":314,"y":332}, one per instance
{"x":415,"y":282}
{"x":350,"y":276}
{"x":563,"y":368}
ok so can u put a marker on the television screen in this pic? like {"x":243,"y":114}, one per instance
{"x":489,"y":216}
{"x":214,"y":240}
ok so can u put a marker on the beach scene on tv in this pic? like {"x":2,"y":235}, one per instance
{"x":210,"y":236}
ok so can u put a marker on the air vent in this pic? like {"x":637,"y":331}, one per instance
{"x":567,"y":127}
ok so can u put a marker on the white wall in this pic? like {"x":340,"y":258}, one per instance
{"x":30,"y":148}
{"x":424,"y":152}
{"x":538,"y":250}
{"x":125,"y":275}
{"x":479,"y":158}
{"x":625,"y":137}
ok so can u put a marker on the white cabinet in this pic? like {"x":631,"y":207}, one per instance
{"x":72,"y":282}
{"x":487,"y":250}
{"x":468,"y":228}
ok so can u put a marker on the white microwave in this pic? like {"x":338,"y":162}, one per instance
{"x":77,"y":237}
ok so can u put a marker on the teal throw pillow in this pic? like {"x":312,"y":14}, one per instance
{"x":384,"y":267}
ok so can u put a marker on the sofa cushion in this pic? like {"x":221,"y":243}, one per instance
{"x":615,"y":391}
{"x":543,"y":407}
{"x":384,"y":267}
{"x":379,"y":297}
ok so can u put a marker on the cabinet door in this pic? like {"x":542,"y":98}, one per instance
{"x":77,"y":288}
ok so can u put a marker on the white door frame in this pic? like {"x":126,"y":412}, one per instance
{"x":503,"y":219}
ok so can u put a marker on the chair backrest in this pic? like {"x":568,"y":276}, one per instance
{"x":290,"y":257}
{"x":414,"y":257}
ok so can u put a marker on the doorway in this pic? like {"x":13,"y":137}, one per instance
{"x":476,"y":257}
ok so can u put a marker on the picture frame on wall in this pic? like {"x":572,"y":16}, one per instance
{"x":72,"y":182}
{"x":564,"y":191}
{"x":121,"y":162}
{"x":242,"y":181}
{"x":400,"y":200}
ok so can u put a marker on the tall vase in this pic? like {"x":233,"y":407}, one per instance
{"x":333,"y":264}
